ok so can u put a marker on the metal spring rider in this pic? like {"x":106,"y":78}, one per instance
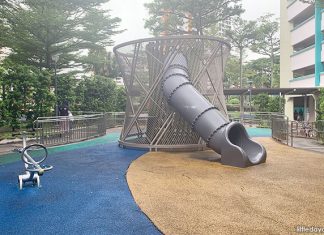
{"x":33,"y":169}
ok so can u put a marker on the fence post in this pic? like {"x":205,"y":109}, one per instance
{"x":291,"y":134}
{"x":272,"y":127}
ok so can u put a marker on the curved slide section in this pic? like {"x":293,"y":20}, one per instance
{"x":229,"y":139}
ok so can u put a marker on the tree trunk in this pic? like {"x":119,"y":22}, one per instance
{"x":241,"y":86}
{"x":241,"y":67}
{"x":272,"y":68}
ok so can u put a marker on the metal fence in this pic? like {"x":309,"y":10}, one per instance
{"x":286,"y":131}
{"x":303,"y":129}
{"x":319,"y":127}
{"x":115,"y":119}
{"x":256,"y":119}
{"x":280,"y":128}
{"x":63,"y":130}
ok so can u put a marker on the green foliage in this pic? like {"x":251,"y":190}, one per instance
{"x":99,"y":94}
{"x":42,"y":95}
{"x":266,"y":103}
{"x":66,"y":90}
{"x":259,"y":72}
{"x":320,"y":117}
{"x":232,"y":72}
{"x":320,"y":111}
{"x":261,"y":37}
{"x":38,"y":29}
{"x":102,"y":63}
{"x":268,"y":42}
{"x":274,"y":104}
{"x":261,"y":102}
{"x":234,"y":100}
{"x":242,"y":35}
{"x":202,"y":14}
{"x":25,"y":92}
{"x":120,"y":97}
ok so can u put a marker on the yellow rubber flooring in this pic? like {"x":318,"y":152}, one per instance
{"x":192,"y":193}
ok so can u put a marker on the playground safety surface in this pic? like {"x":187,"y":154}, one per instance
{"x":192,"y":193}
{"x":85,"y":193}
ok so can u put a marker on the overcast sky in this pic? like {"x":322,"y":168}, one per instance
{"x":133,"y":13}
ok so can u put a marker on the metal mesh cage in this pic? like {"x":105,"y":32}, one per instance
{"x":149,"y":121}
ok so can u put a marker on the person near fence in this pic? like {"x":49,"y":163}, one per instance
{"x":295,"y":115}
{"x":64,"y":118}
{"x":300,"y":115}
{"x":307,"y":129}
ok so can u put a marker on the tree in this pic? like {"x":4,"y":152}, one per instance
{"x":42,"y":96}
{"x":102,"y":63}
{"x":267,"y":41}
{"x":266,"y":103}
{"x":120,"y":97}
{"x":261,"y":102}
{"x":170,"y":16}
{"x":241,"y":36}
{"x":259,"y":72}
{"x":38,"y":29}
{"x":232,"y":72}
{"x":320,"y":110}
{"x":96,"y":94}
{"x":66,"y":90}
{"x":25,"y":92}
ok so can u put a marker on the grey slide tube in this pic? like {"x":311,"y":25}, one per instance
{"x":229,"y":139}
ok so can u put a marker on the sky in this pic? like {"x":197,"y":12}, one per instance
{"x":133,"y":13}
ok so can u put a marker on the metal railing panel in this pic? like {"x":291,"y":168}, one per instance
{"x":319,"y":127}
{"x":280,"y":128}
{"x":63,"y":130}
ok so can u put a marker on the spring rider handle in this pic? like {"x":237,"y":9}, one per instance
{"x":33,"y":169}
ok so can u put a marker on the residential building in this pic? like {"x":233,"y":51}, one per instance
{"x":297,"y":56}
{"x":223,"y":26}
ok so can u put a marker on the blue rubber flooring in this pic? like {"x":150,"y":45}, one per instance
{"x":85,"y":193}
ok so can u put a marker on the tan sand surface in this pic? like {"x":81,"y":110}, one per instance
{"x":192,"y":193}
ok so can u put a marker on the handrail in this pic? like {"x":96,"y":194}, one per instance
{"x":63,"y":130}
{"x":296,"y":129}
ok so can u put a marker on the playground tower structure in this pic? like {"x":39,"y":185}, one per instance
{"x":149,"y":121}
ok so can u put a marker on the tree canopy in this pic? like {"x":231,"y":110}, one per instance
{"x":25,"y":91}
{"x":99,"y":94}
{"x":260,"y":72}
{"x":267,"y":41}
{"x":38,"y":29}
{"x":170,"y":16}
{"x":241,"y":35}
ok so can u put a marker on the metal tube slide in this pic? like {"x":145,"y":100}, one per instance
{"x":229,"y":139}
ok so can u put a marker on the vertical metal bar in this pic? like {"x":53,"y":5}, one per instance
{"x":272,"y":127}
{"x":318,"y":42}
{"x":291,"y":134}
{"x":305,"y":108}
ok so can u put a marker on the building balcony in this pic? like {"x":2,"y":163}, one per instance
{"x":296,"y":9}
{"x":305,"y":30}
{"x":304,"y":58}
{"x":306,"y":81}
